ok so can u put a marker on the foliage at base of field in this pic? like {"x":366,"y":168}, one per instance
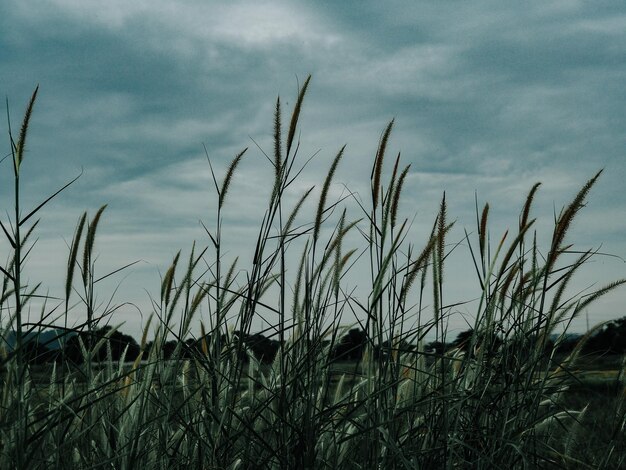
{"x":499,"y":399}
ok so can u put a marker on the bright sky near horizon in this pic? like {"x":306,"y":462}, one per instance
{"x":489,"y":97}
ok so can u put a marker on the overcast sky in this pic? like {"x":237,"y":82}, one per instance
{"x":489,"y":97}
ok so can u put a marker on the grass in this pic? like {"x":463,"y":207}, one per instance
{"x":500,"y":400}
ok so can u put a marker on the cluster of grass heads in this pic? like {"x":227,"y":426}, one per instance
{"x":496,"y":401}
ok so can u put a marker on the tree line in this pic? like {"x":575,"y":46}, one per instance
{"x":58,"y":345}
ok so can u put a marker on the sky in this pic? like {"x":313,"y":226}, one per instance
{"x":488,"y":98}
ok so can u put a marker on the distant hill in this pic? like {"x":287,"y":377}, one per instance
{"x":52,"y":339}
{"x":566,"y":336}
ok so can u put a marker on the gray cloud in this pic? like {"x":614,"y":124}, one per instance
{"x":487,"y":96}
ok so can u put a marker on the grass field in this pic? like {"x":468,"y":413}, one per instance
{"x":501,"y":400}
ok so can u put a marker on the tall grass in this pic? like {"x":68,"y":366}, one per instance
{"x":495,"y":401}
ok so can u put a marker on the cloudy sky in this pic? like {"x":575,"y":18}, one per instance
{"x":488,"y":96}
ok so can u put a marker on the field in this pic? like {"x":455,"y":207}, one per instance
{"x":500,"y":399}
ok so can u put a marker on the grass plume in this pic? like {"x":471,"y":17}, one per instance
{"x":378,"y":163}
{"x":293,"y":124}
{"x":322,"y":202}
{"x":21,"y":142}
{"x":229,"y":176}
